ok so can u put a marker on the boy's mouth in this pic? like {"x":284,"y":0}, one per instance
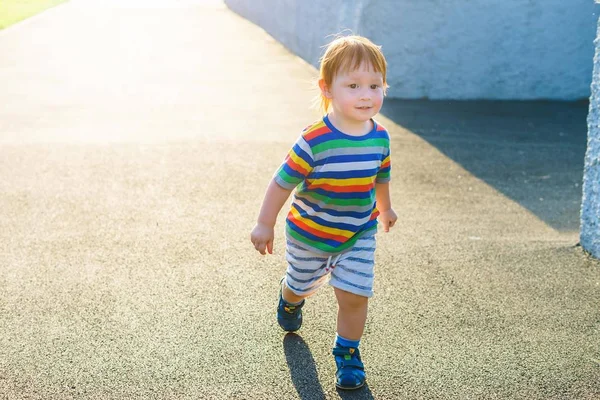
{"x":363,"y":108}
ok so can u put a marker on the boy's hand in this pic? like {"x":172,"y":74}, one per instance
{"x":262,"y":238}
{"x":388,"y":219}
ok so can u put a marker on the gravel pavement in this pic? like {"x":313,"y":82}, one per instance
{"x":136,"y":141}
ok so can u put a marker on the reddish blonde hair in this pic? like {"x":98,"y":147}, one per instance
{"x":347,"y":53}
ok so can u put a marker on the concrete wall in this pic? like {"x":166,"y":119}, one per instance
{"x":590,"y":207}
{"x":452,"y":49}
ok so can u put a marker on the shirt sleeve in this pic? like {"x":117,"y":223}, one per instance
{"x":297,"y":165}
{"x":383,"y":175}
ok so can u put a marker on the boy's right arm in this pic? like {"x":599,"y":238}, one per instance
{"x":263,"y":233}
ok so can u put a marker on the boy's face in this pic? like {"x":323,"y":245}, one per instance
{"x":356,"y":96}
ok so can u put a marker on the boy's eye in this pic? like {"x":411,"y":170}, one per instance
{"x":374,"y":86}
{"x":352,"y":86}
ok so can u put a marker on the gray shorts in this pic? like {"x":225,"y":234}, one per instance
{"x":351,"y":270}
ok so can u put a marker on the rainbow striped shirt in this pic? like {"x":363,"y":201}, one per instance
{"x":334,"y":175}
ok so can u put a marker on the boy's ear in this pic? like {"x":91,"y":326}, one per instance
{"x":324,"y":88}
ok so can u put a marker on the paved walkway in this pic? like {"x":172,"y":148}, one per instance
{"x":136,"y":139}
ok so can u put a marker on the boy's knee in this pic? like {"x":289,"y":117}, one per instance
{"x":350,"y":300}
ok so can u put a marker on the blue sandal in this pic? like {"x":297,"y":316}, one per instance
{"x":350,"y":372}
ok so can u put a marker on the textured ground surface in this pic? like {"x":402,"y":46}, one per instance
{"x":136,"y":140}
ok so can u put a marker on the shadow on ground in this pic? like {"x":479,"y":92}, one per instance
{"x":532,"y":152}
{"x":304,"y":372}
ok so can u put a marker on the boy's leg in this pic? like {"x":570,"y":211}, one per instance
{"x":290,"y":296}
{"x":352,"y":279}
{"x":305,"y":274}
{"x":352,"y":314}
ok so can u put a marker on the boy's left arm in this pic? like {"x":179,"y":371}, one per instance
{"x":387,"y":216}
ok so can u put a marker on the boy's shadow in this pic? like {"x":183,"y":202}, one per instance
{"x":304,"y":375}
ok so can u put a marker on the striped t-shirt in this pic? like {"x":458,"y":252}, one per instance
{"x":334,"y":175}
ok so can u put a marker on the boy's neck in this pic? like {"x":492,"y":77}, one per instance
{"x":352,"y":128}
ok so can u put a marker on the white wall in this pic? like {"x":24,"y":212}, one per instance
{"x":452,"y":49}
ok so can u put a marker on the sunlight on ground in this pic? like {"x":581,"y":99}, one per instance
{"x":129,"y":84}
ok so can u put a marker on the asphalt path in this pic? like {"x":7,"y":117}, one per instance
{"x":136,"y":141}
